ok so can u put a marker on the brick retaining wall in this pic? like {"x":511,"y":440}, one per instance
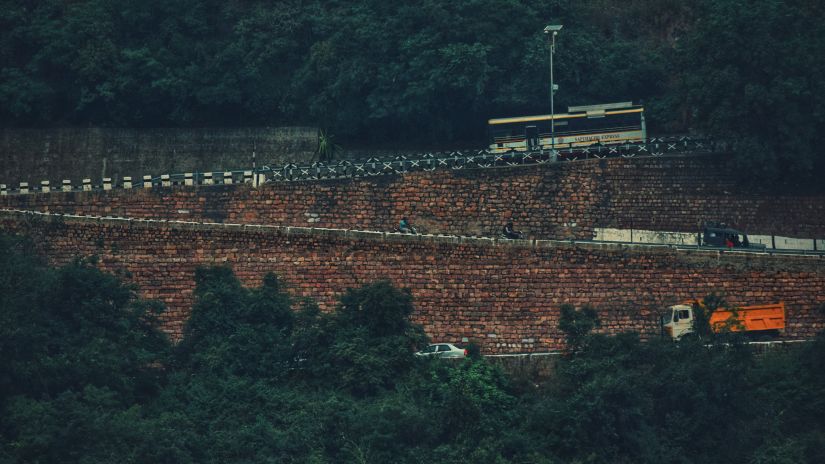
{"x":504,"y":295}
{"x":550,"y":201}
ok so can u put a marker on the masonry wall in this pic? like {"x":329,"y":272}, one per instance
{"x":504,"y":295}
{"x":566,"y":200}
{"x":32,"y":155}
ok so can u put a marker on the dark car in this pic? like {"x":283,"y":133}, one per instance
{"x":718,"y":235}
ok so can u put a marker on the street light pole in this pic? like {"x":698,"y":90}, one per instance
{"x":552,"y":31}
{"x":552,"y":94}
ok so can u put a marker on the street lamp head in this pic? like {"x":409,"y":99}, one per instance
{"x":555,"y":28}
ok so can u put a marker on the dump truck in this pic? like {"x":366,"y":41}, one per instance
{"x":756,"y":320}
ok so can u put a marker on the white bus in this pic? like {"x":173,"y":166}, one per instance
{"x":581,"y":126}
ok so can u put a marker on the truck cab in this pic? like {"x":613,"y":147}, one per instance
{"x":677,"y":321}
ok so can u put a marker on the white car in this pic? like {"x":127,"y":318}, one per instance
{"x":443,"y":350}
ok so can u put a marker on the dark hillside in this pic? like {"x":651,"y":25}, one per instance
{"x":423,"y":74}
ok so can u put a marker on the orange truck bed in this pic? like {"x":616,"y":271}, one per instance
{"x":750,"y":318}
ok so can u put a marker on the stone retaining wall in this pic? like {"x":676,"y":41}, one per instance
{"x":566,"y":200}
{"x":503,"y":295}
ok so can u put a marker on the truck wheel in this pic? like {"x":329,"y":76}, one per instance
{"x":690,"y":337}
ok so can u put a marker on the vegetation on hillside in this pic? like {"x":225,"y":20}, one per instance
{"x":427,"y":73}
{"x":85,"y":377}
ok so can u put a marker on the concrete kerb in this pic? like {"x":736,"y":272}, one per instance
{"x":551,"y":244}
{"x":327,"y":232}
{"x":518,"y":243}
{"x":482,"y":241}
{"x":298,"y":230}
{"x":365,"y":234}
{"x":439,"y":238}
{"x":524,"y":355}
{"x":89,"y":220}
{"x":397,"y":237}
{"x":140,"y":223}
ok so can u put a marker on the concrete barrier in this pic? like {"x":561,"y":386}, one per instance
{"x":766,"y":240}
{"x":789,"y":243}
{"x":644,"y":236}
{"x":612,"y":235}
{"x":672,"y":238}
{"x":688,"y":238}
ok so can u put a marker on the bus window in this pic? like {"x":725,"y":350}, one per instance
{"x":531,"y":133}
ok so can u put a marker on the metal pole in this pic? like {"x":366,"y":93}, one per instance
{"x":552,"y":30}
{"x":552,"y":92}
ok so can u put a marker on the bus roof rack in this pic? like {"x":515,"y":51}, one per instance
{"x":606,"y":106}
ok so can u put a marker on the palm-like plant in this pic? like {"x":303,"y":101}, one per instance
{"x":326,"y":146}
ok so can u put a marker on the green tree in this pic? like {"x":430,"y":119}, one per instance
{"x":71,"y":327}
{"x":703,"y":311}
{"x":370,"y":340}
{"x":235,"y":330}
{"x":79,"y":354}
{"x":577,"y":324}
{"x":750,"y":76}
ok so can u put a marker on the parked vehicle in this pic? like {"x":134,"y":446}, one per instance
{"x":719,"y":235}
{"x":581,"y":126}
{"x":443,"y":350}
{"x":678,"y":321}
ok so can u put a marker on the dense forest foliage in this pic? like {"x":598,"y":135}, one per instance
{"x":86,"y":377}
{"x":423,"y":73}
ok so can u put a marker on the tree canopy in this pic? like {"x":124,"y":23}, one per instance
{"x":752,"y":77}
{"x":433,"y":71}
